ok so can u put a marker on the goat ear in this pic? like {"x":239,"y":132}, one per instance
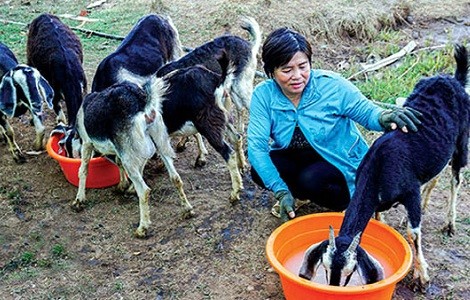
{"x":312,"y":260}
{"x":7,"y":95}
{"x":46,"y":91}
{"x":369,"y":269}
{"x":59,"y":129}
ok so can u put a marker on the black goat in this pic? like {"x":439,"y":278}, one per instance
{"x":56,"y":52}
{"x":125,"y":120}
{"x":22,"y":88}
{"x":394,"y":169}
{"x":151,"y":43}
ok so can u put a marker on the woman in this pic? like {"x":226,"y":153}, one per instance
{"x":302,"y":139}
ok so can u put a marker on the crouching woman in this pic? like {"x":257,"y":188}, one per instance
{"x":302,"y":137}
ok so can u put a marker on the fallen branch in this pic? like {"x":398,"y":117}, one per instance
{"x":386,"y":61}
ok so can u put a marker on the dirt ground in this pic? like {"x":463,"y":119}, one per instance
{"x":48,"y":251}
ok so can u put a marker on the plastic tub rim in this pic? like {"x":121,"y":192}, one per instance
{"x":368,"y":288}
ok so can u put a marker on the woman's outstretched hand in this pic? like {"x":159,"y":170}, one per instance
{"x":400,"y":117}
{"x":286,"y":203}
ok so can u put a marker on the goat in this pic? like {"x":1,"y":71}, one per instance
{"x":394,"y":169}
{"x":57,"y":53}
{"x":151,"y":43}
{"x":238,"y":84}
{"x":22,"y":88}
{"x":125,"y":120}
{"x":191,"y":106}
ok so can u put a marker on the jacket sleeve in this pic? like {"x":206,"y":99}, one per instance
{"x":360,"y":109}
{"x":258,"y":137}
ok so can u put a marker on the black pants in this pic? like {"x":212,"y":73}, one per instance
{"x":309,"y":176}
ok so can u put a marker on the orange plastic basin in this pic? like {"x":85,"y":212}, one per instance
{"x":287,"y":244}
{"x":101,"y":172}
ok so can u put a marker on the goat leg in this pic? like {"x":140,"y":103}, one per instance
{"x":9,"y":135}
{"x":201,"y":159}
{"x":426,"y":192}
{"x":86,"y":154}
{"x":40,"y":131}
{"x":236,"y":140}
{"x":178,"y":183}
{"x":181,"y":145}
{"x":412,"y":204}
{"x":452,"y":203}
{"x":420,"y":272}
{"x":237,"y":183}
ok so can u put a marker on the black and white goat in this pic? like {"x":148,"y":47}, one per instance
{"x":242,"y":57}
{"x":151,"y":43}
{"x":394,"y":169}
{"x":57,"y":53}
{"x":238,"y":83}
{"x":22,"y":88}
{"x":125,"y":120}
{"x":191,"y":106}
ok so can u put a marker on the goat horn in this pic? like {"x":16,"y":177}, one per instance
{"x":332,"y":238}
{"x":354,"y":243}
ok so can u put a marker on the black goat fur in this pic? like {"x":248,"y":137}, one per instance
{"x":151,"y":43}
{"x":398,"y":164}
{"x":56,"y":51}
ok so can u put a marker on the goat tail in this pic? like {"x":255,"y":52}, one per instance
{"x":249,"y":24}
{"x":461,"y":72}
{"x":156,"y":88}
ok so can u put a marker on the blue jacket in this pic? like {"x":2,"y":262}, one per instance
{"x":328,"y":109}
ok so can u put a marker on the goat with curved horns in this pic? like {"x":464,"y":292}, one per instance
{"x":393,"y":170}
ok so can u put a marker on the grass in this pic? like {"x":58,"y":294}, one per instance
{"x":384,"y":85}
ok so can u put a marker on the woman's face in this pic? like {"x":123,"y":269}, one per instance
{"x":293,"y":76}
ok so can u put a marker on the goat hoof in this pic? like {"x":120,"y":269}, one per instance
{"x":180,"y":148}
{"x":188,"y":214}
{"x":234,"y":199}
{"x":449,"y":230}
{"x":76,"y":206}
{"x":141,"y":233}
{"x":19,"y":158}
{"x":200,"y":163}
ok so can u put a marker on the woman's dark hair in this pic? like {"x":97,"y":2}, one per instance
{"x":280,"y":46}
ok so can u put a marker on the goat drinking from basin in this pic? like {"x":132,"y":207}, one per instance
{"x":124,"y":120}
{"x":56,"y":52}
{"x":22,"y":88}
{"x":393,"y":170}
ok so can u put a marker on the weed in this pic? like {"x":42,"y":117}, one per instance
{"x":27,"y":258}
{"x":58,"y":250}
{"x":118,"y":286}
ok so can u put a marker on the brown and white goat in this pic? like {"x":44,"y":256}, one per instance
{"x":125,"y":120}
{"x":57,"y":53}
{"x":394,"y":169}
{"x":22,"y":88}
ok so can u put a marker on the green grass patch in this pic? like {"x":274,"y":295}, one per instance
{"x":399,"y":79}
